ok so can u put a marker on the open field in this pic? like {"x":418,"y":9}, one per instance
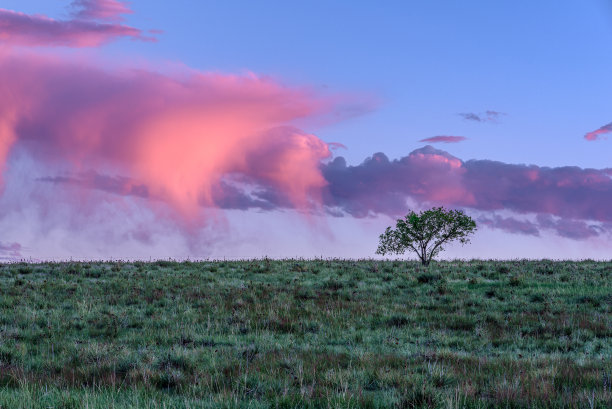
{"x":306,"y":333}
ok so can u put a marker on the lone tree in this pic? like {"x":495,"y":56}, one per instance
{"x":426,"y":233}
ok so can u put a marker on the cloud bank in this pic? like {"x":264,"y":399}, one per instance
{"x":567,"y":199}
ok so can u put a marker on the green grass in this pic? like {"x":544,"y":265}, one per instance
{"x":306,"y":333}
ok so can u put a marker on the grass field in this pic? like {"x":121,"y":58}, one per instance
{"x":306,"y":333}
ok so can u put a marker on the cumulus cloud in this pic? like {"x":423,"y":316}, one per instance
{"x":95,"y":23}
{"x":382,"y":186}
{"x":487,"y":116}
{"x":574,"y":195}
{"x":444,"y":139}
{"x":598,"y":133}
{"x":243,"y":193}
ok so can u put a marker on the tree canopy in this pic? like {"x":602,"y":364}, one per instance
{"x":426,"y":233}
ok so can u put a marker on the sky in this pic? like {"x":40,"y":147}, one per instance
{"x":150,"y":129}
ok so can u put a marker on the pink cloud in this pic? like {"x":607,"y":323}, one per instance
{"x":176,"y":142}
{"x":203,"y":141}
{"x":7,"y":134}
{"x":597,"y":134}
{"x":444,"y":139}
{"x":111,"y":10}
{"x":428,"y":175}
{"x":19,"y":29}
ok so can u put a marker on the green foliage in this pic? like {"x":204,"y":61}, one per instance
{"x":426,"y":233}
{"x":273,"y":334}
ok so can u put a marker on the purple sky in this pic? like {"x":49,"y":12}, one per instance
{"x":146,"y":129}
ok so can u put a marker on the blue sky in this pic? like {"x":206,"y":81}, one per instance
{"x":546,"y":64}
{"x":543,"y":66}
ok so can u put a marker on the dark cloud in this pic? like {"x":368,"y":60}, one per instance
{"x":493,"y":114}
{"x":468,"y":116}
{"x":244,"y":197}
{"x":487,"y":116}
{"x":573,"y":229}
{"x":444,"y":139}
{"x":569,"y":228}
{"x":240,"y":194}
{"x":112,"y":184}
{"x":597,"y":134}
{"x":511,"y":225}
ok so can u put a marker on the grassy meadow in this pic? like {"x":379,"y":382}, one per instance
{"x":306,"y":334}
